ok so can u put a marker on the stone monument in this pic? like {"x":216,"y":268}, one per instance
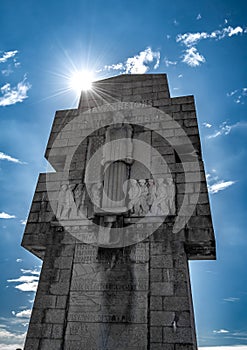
{"x":117,"y":221}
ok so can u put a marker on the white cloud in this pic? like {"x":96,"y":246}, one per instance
{"x":215,"y":184}
{"x":235,"y":31}
{"x":4,"y":156}
{"x":6,"y":72}
{"x":4,"y":215}
{"x":32,"y":272}
{"x":27,"y":287}
{"x":192,"y":57}
{"x":191,"y":39}
{"x":118,"y":66}
{"x":231,"y":299}
{"x":15,"y":94}
{"x":220,"y":186}
{"x":198,"y":16}
{"x":11,"y":340}
{"x":207,"y":125}
{"x":6,"y":55}
{"x":138,"y":64}
{"x":19,"y":260}
{"x":26,"y":283}
{"x":24,"y":313}
{"x":180,"y":76}
{"x":221,"y":331}
{"x":169,"y":63}
{"x":239,"y":95}
{"x":225,"y":129}
{"x":23,"y":222}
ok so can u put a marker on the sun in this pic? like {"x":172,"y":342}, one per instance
{"x":81,"y":81}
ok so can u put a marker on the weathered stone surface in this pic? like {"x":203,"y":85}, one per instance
{"x":134,"y":296}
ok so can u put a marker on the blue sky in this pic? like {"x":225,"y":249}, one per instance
{"x":202,"y":47}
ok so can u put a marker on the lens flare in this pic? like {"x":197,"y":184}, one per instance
{"x":81,"y":80}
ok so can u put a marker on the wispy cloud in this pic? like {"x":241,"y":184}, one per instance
{"x":198,"y":16}
{"x":11,"y":340}
{"x":191,"y":56}
{"x":225,"y":129}
{"x":231,"y":299}
{"x":32,"y":272}
{"x":215,"y":184}
{"x":12,"y":95}
{"x":207,"y":125}
{"x":221,"y":331}
{"x":23,"y":222}
{"x":6,"y":72}
{"x":238,"y":95}
{"x":220,"y":186}
{"x":4,"y":156}
{"x":169,"y":63}
{"x":28,"y":282}
{"x":191,"y":39}
{"x":19,"y":260}
{"x":4,"y":215}
{"x":24,"y":313}
{"x":6,"y":55}
{"x":138,"y":64}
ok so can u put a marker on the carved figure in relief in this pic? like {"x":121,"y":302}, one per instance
{"x":143,"y":208}
{"x":65,"y":201}
{"x":96,"y":194}
{"x":160,"y":205}
{"x":171,"y":195}
{"x":151,"y":193}
{"x":79,"y":198}
{"x":134,"y":195}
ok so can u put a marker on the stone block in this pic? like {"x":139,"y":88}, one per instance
{"x":55,"y":316}
{"x":161,"y":346}
{"x":32,"y":343}
{"x":161,"y":288}
{"x":155,"y":303}
{"x":161,"y":318}
{"x":156,"y":334}
{"x":175,"y":303}
{"x":61,"y":301}
{"x":156,"y":275}
{"x":57,"y":331}
{"x":51,"y":344}
{"x":188,"y":107}
{"x":182,"y":335}
{"x":161,"y":261}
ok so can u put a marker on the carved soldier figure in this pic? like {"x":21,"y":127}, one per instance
{"x":79,"y":197}
{"x":65,"y":201}
{"x":96,"y":194}
{"x":151,"y":193}
{"x":143,"y":197}
{"x":134,"y":196}
{"x":160,"y":206}
{"x":171,"y":195}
